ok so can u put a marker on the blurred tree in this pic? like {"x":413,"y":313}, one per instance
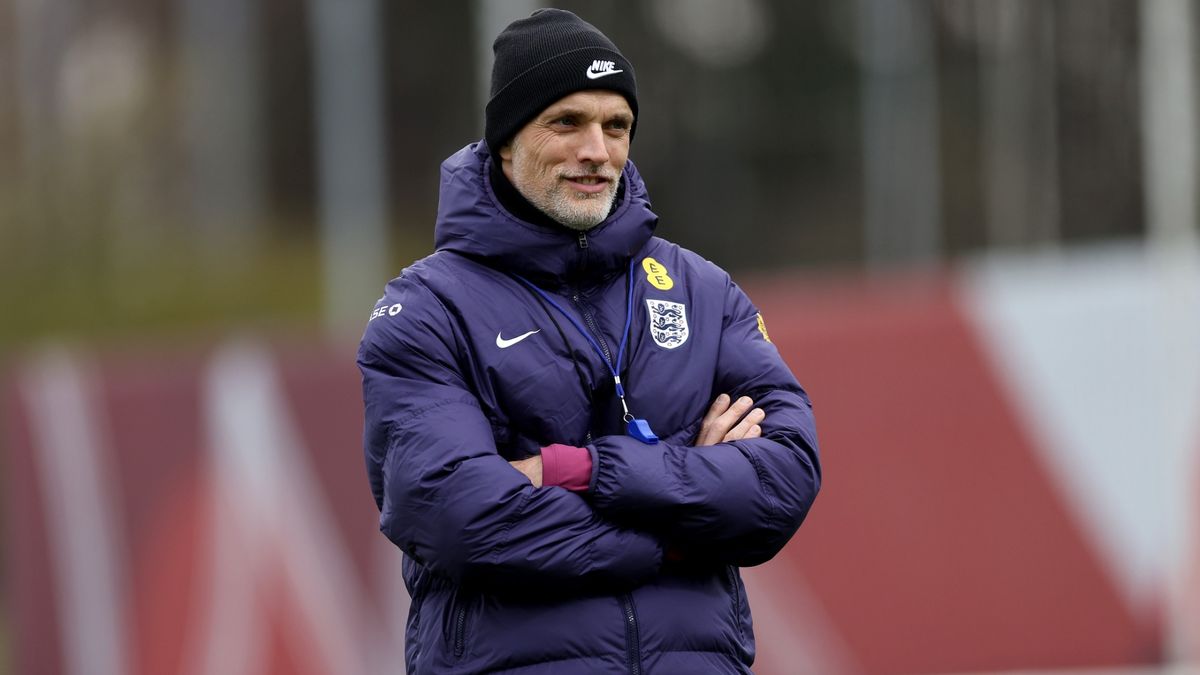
{"x":137,"y":134}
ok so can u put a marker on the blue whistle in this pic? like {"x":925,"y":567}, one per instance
{"x":640,"y":429}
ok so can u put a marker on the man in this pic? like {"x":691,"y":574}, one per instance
{"x":539,"y":433}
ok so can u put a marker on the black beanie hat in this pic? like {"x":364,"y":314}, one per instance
{"x":543,"y":58}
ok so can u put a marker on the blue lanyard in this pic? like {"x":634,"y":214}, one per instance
{"x":638,"y":428}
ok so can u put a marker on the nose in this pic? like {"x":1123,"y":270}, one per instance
{"x":592,"y":146}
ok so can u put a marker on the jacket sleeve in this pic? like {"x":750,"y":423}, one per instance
{"x":736,"y":502}
{"x":446,"y":497}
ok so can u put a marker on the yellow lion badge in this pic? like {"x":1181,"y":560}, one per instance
{"x":762,"y":327}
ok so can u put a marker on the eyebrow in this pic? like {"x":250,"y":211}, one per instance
{"x":563,"y":112}
{"x":579,"y":112}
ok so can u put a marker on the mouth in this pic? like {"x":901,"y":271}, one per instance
{"x":588,"y":184}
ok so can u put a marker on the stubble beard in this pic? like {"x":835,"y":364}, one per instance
{"x":578,"y":211}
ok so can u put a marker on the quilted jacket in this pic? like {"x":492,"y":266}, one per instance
{"x":640,"y":573}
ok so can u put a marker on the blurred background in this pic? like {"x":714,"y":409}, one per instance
{"x":971,"y":226}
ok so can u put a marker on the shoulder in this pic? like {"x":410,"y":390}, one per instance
{"x":684,"y":263}
{"x":411,"y":313}
{"x":702,"y":281}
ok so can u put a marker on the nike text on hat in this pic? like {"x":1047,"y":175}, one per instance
{"x":543,"y":58}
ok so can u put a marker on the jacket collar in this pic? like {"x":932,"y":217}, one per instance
{"x":472,"y":221}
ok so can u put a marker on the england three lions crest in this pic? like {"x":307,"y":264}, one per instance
{"x":668,"y":323}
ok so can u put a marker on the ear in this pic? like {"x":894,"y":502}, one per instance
{"x":505,"y":152}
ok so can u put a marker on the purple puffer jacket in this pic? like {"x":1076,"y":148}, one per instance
{"x":505,"y":577}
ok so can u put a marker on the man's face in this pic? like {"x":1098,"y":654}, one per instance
{"x":567,"y":161}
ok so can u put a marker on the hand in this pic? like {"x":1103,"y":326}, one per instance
{"x":531,"y":467}
{"x":727,"y":421}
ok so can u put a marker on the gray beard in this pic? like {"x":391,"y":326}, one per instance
{"x":561,"y":207}
{"x":578,"y":226}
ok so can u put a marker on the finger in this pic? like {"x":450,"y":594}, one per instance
{"x":755,"y":432}
{"x":730,"y":418}
{"x":717,"y":429}
{"x":739,"y":431}
{"x":735,"y":412}
{"x":727,"y":422}
{"x":710,"y":433}
{"x":719,"y":405}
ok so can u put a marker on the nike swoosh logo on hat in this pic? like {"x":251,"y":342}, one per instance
{"x":505,"y":344}
{"x":593,"y":75}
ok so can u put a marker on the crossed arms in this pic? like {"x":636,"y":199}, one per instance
{"x":733,"y":495}
{"x":726,"y":420}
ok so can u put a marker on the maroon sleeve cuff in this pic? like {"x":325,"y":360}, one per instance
{"x":567,"y":467}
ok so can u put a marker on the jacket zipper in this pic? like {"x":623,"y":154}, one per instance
{"x":737,"y":599}
{"x":591,"y":324}
{"x":460,"y":624}
{"x":583,"y":252}
{"x":633,"y":649}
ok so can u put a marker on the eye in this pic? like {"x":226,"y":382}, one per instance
{"x":618,"y":125}
{"x":564,"y":121}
